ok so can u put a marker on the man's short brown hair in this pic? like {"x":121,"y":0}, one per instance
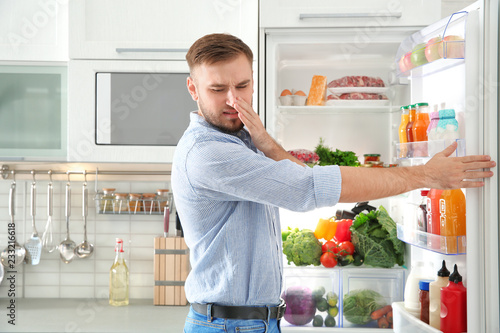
{"x":213,"y":48}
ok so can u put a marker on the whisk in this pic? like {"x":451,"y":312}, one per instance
{"x":47,"y":242}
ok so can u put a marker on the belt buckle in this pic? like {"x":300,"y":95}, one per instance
{"x":281,"y":309}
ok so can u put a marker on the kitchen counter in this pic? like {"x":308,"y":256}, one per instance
{"x":91,"y":315}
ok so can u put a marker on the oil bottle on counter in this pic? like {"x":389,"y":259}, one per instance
{"x":435,"y":296}
{"x":119,"y":278}
{"x":454,"y":305}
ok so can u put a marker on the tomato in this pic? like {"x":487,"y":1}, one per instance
{"x":329,"y":247}
{"x":346,"y":248}
{"x":328,"y":260}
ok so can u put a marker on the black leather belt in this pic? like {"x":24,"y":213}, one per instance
{"x":242,"y":312}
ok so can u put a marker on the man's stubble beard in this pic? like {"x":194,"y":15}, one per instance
{"x":214,"y":122}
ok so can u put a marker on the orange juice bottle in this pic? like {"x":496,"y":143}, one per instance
{"x":419,"y":130}
{"x":402,"y":131}
{"x":433,"y":218}
{"x":452,"y":219}
{"x":411,"y":120}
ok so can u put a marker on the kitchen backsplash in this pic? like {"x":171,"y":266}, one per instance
{"x":89,"y":277}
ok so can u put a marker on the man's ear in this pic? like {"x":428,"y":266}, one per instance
{"x":192,"y":88}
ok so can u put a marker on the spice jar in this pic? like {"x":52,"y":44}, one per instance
{"x":121,"y":204}
{"x":369,"y":158}
{"x":107,"y":198}
{"x":135,"y":203}
{"x":162,"y":196}
{"x":423,"y":297}
{"x":149,"y":203}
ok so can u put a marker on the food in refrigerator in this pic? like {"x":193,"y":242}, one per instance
{"x":423,"y":297}
{"x":418,"y":57}
{"x":305,"y":155}
{"x":356,"y":81}
{"x":317,"y":92}
{"x":452,"y":219}
{"x":454,"y":305}
{"x":441,"y":281}
{"x":356,"y":96}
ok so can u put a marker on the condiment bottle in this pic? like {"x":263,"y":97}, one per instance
{"x":433,"y":219}
{"x":423,"y":297}
{"x":121,"y":204}
{"x":435,"y":296}
{"x":452,"y":219}
{"x":422,"y":217}
{"x":134,"y":203}
{"x":403,"y":152}
{"x":107,"y":199}
{"x":119,"y":278}
{"x":419,"y":130}
{"x":411,"y":120}
{"x":454,"y":305}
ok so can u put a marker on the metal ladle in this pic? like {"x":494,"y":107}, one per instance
{"x":85,"y":249}
{"x":67,"y":246}
{"x":14,"y":253}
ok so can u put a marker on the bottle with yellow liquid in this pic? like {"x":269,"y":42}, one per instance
{"x":405,"y":110}
{"x":452,"y":219}
{"x":118,"y":278}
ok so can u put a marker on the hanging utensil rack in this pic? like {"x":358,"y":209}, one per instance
{"x":141,"y":205}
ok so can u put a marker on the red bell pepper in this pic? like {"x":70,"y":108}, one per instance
{"x":343,"y":233}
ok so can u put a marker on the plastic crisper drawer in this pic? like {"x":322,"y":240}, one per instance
{"x":384,"y":286}
{"x":323,"y":284}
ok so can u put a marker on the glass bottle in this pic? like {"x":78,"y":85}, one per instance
{"x":119,"y":278}
{"x":419,"y":130}
{"x":135,"y":203}
{"x":162,"y":195}
{"x":107,"y":199}
{"x":402,"y":131}
{"x":411,"y":120}
{"x":121,"y":204}
{"x":149,"y":203}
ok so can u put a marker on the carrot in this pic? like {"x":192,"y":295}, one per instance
{"x":383,"y":323}
{"x":377,"y":314}
{"x":389,"y":317}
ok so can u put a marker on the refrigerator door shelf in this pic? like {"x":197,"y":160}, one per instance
{"x":440,"y":244}
{"x":418,"y":153}
{"x":346,"y":108}
{"x":407,"y":323}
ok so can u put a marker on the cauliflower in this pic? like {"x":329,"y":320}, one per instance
{"x":301,"y":247}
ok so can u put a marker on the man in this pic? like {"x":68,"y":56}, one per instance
{"x":229,"y":178}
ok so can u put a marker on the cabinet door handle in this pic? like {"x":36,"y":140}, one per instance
{"x":349,"y":15}
{"x":125,"y":50}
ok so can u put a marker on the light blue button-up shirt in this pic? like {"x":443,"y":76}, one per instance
{"x":227,"y":195}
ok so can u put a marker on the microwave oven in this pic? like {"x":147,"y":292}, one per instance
{"x":126,"y":111}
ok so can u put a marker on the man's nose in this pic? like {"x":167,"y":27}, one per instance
{"x":231,"y":96}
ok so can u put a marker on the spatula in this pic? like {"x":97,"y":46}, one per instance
{"x":34,"y":244}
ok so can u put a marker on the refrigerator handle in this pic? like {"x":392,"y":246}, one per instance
{"x":349,"y":15}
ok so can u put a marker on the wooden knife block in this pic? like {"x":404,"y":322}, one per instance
{"x":171,"y":268}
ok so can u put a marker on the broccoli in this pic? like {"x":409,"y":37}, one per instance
{"x":302,"y":248}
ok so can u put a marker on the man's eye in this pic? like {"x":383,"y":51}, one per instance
{"x":217,"y":90}
{"x":242,"y":87}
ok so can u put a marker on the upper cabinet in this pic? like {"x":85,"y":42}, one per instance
{"x":33,"y":30}
{"x":154,"y":29}
{"x":355,"y":13}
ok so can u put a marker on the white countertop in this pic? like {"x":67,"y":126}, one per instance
{"x":91,"y":315}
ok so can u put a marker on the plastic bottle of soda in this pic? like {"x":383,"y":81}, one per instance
{"x":402,"y":131}
{"x":454,"y":305}
{"x":433,"y":219}
{"x":452,"y":220}
{"x":435,"y":296}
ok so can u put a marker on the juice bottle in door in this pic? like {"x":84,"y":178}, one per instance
{"x":452,"y":220}
{"x":447,"y":127}
{"x":409,"y":128}
{"x":433,"y":145}
{"x":433,"y":219}
{"x":454,"y":305}
{"x":419,"y":129}
{"x":435,"y":296}
{"x":402,"y":131}
{"x":422,"y":218}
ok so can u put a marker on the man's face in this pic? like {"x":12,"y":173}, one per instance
{"x":215,"y":88}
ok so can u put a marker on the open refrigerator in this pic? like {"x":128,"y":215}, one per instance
{"x":465,"y":78}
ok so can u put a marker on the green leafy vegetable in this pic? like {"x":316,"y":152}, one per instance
{"x":360,"y":303}
{"x":302,"y":248}
{"x":374,"y":236}
{"x":337,"y":157}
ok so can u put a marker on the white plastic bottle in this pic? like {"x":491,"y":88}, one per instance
{"x":119,"y":278}
{"x":435,"y":296}
{"x":419,"y":271}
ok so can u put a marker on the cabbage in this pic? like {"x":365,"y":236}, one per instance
{"x":300,"y":305}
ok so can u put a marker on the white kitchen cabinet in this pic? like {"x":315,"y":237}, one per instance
{"x":355,"y":13}
{"x":33,"y":30}
{"x":154,"y":29}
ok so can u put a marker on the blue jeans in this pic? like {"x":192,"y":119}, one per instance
{"x":197,"y":322}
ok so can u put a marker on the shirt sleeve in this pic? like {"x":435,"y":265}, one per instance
{"x":230,"y":171}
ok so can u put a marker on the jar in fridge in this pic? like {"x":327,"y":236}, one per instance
{"x":107,"y":198}
{"x":135,"y":203}
{"x":121,"y":203}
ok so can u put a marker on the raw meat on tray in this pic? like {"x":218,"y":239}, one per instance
{"x":356,"y":81}
{"x":356,"y":96}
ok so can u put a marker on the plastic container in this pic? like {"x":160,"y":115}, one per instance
{"x":447,"y":127}
{"x":433,"y":218}
{"x":119,"y":278}
{"x":324,"y":284}
{"x":454,"y":305}
{"x":452,"y":218}
{"x":418,"y":272}
{"x":423,"y":297}
{"x":435,"y":296}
